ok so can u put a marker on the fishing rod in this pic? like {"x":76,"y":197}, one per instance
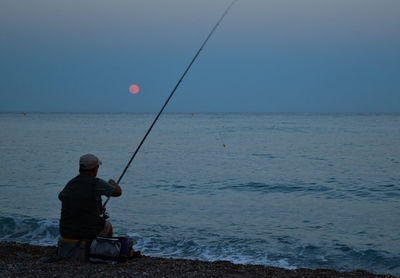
{"x":172,"y":93}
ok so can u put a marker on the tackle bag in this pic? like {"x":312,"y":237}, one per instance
{"x":111,"y":250}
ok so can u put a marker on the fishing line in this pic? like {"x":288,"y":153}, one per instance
{"x":172,"y":93}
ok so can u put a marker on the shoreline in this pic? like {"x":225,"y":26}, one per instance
{"x":25,"y":260}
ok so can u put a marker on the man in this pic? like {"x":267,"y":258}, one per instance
{"x":81,"y":202}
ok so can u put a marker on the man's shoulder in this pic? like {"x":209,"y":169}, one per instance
{"x":80,"y":185}
{"x":103,"y":188}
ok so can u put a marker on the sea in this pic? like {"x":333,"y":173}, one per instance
{"x":292,"y":190}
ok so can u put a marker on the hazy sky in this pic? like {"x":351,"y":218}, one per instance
{"x":267,"y":56}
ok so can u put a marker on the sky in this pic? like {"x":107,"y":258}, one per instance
{"x":266,"y":56}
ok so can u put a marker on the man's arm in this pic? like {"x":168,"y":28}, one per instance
{"x":117,"y":189}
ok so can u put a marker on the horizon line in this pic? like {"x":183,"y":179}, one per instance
{"x":197,"y":112}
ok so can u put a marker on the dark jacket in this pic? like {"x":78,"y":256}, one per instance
{"x":81,"y":208}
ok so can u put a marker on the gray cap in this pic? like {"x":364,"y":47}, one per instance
{"x":89,"y":162}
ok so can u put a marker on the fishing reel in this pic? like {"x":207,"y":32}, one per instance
{"x":105,"y":215}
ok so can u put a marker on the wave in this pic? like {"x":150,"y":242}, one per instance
{"x":277,"y":188}
{"x":345,"y":258}
{"x":29,"y":230}
{"x":201,"y":244}
{"x":330,"y":189}
{"x":222,"y":250}
{"x":45,"y":232}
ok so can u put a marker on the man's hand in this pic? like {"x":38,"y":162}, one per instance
{"x":112,"y":182}
{"x":117,"y":191}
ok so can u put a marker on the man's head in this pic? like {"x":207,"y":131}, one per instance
{"x":89,"y":163}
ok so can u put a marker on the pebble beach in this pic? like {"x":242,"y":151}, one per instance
{"x":25,"y":260}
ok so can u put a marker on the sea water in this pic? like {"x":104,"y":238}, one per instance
{"x":287,"y":190}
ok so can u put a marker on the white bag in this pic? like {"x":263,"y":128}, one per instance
{"x":105,"y":250}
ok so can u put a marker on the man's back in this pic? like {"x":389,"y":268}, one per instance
{"x":81,"y":208}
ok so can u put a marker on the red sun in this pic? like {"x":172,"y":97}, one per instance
{"x":134,"y":89}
